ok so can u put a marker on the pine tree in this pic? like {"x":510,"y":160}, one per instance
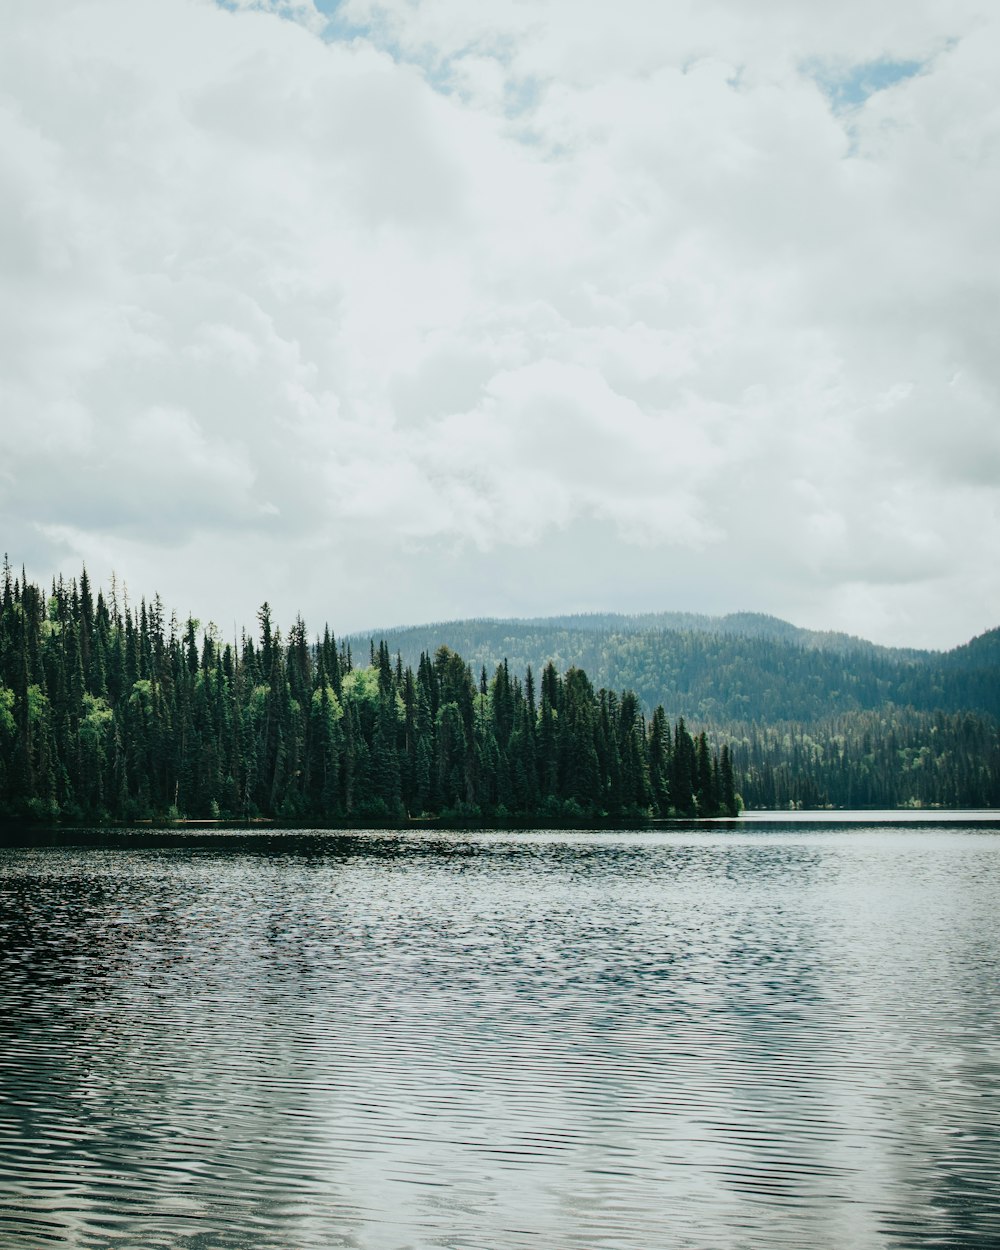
{"x":658,"y":753}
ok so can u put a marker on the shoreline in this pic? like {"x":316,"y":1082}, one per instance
{"x":747,"y":821}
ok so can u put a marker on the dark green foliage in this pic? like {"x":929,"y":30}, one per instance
{"x":684,"y":774}
{"x":896,"y":757}
{"x":110,"y":712}
{"x":744,"y":667}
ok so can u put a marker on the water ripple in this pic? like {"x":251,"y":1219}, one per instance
{"x":781,"y":1038}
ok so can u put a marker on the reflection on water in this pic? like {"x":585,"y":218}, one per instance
{"x":781,"y":1038}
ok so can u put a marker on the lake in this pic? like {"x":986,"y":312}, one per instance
{"x":734,"y":1036}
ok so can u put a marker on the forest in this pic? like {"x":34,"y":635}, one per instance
{"x":894,"y":757}
{"x":111,"y":712}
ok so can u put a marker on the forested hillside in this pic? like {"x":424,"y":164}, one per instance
{"x":729,"y":669}
{"x":111,"y":711}
{"x":485,"y":632}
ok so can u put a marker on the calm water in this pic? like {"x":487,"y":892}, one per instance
{"x":769,"y":1037}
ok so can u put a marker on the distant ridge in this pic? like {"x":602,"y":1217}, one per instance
{"x":740,"y":624}
{"x":717,"y":670}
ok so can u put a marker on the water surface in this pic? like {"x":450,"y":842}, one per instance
{"x":725,"y":1037}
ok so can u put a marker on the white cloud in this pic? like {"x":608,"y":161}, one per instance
{"x":512,"y":308}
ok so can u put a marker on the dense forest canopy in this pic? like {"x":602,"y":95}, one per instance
{"x":715,"y":670}
{"x":113,"y":712}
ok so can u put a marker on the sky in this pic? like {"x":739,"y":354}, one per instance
{"x":394,"y":311}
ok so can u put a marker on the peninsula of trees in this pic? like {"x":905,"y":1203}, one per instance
{"x":112,"y":712}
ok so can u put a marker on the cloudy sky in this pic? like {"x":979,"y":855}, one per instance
{"x":392,"y":311}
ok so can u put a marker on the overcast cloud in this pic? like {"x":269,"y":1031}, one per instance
{"x":393,"y":312}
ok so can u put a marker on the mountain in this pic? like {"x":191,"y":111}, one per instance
{"x":740,"y":624}
{"x":744,"y":667}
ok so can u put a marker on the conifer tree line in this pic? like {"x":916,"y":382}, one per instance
{"x":111,"y":712}
{"x":893,"y":757}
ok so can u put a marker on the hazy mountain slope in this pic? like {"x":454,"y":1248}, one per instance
{"x":980,"y":654}
{"x":484,"y":632}
{"x":738,"y":668}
